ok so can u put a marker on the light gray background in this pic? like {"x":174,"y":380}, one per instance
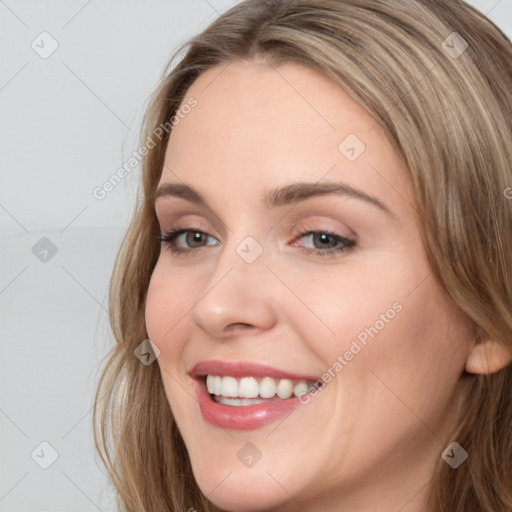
{"x":68,"y":122}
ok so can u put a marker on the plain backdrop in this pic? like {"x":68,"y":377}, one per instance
{"x":69,"y":120}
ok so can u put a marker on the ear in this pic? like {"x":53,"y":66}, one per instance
{"x":488,"y":356}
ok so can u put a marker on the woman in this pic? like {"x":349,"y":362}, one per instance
{"x":321,"y":259}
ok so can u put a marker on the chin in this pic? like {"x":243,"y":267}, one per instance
{"x":243,"y":490}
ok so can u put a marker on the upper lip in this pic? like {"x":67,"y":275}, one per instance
{"x":244,"y":369}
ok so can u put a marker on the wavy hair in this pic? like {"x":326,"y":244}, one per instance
{"x":448,"y":115}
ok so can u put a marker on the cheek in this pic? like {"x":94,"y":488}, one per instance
{"x":392,"y":317}
{"x":349,"y":304}
{"x":167,"y":304}
{"x":416,"y":358}
{"x":155,"y":308}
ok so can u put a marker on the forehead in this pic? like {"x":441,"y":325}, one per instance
{"x":256,"y":100}
{"x":256,"y":125}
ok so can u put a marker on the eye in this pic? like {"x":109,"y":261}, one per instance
{"x":326,"y":243}
{"x":192,"y":237}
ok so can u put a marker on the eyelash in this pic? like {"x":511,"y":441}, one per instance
{"x":347,"y":244}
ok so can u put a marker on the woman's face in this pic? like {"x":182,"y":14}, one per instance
{"x":302,"y":286}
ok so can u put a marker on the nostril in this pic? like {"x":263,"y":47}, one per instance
{"x":238,"y":325}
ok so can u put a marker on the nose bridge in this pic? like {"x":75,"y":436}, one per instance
{"x":238,"y":290}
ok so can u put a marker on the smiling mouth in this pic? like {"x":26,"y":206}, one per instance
{"x":249,"y":390}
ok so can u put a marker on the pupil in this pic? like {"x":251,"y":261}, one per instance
{"x":324,"y":239}
{"x":196,"y":237}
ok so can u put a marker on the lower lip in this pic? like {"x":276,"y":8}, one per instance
{"x":244,"y":417}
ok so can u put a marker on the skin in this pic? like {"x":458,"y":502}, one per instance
{"x":370,"y":439}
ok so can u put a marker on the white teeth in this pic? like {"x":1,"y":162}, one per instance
{"x":248,"y":387}
{"x":229,"y":387}
{"x":217,"y":385}
{"x":300,"y":388}
{"x":210,"y":384}
{"x":239,"y":401}
{"x":284,"y":389}
{"x":267,"y":387}
{"x":250,"y":390}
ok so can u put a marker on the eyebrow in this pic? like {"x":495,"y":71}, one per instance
{"x":289,"y":194}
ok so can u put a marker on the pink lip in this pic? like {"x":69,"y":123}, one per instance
{"x":247,"y":417}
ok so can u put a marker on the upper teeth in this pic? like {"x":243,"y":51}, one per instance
{"x":251,"y":387}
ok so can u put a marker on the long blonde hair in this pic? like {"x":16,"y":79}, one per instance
{"x":447,"y":110}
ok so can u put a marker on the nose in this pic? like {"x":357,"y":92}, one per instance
{"x":239,"y":297}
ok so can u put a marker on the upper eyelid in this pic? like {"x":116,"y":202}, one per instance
{"x":302,"y":223}
{"x":164,"y":218}
{"x":221,"y":227}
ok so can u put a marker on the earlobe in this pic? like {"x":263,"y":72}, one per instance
{"x":488,"y":356}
